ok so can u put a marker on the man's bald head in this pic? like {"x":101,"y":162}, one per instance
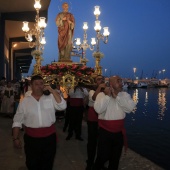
{"x":114,"y":78}
{"x":116,"y":83}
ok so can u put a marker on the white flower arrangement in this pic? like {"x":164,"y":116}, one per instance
{"x":36,"y":53}
{"x":98,"y":54}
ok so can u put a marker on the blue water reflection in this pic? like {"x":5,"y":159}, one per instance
{"x":162,"y":103}
{"x":148,"y":126}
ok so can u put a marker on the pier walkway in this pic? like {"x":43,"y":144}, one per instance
{"x":71,"y":155}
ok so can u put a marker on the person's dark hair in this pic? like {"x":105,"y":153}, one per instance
{"x":36,"y":77}
{"x":97,"y":77}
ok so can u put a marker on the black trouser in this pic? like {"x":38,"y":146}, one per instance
{"x":59,"y":114}
{"x":92,"y":142}
{"x":76,"y":117}
{"x":40,"y":152}
{"x":109,"y":149}
{"x":67,"y":116}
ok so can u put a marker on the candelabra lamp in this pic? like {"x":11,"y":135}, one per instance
{"x":97,"y":54}
{"x":84,"y":46}
{"x":36,"y":33}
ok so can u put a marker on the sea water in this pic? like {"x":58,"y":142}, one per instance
{"x":148,"y":126}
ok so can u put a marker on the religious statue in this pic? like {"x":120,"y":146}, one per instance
{"x":65,"y":23}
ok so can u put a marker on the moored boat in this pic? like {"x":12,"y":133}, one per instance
{"x":161,"y":85}
{"x":142,"y":85}
{"x":125,"y":86}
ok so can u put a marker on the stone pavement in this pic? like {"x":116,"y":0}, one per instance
{"x":71,"y":155}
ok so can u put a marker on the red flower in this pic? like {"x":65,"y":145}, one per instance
{"x":89,"y":72}
{"x":73,"y":71}
{"x":43,"y":71}
{"x":60,"y":74}
{"x":74,"y":66}
{"x":48,"y":73}
{"x":43,"y":67}
{"x":78,"y":73}
{"x":61,"y":66}
{"x":83,"y":67}
{"x":51,"y":67}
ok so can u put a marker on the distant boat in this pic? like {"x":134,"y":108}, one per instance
{"x":161,"y":85}
{"x":132,"y":85}
{"x":142,"y":85}
{"x":125,"y":86}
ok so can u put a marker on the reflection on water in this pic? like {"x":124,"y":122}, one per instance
{"x":135,"y":96}
{"x":135,"y":99}
{"x":148,"y":128}
{"x":146,"y":98}
{"x":162,"y":103}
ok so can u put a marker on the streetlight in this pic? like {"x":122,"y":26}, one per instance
{"x":160,"y":74}
{"x":163,"y":71}
{"x":84,"y":46}
{"x":98,"y":55}
{"x":105,"y":70}
{"x":134,"y":70}
{"x":38,"y":32}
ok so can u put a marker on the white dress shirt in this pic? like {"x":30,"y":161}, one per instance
{"x":110,"y":108}
{"x":37,"y":114}
{"x":78,"y":93}
{"x":91,"y":101}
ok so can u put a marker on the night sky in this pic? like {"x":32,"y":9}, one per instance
{"x":139,"y":35}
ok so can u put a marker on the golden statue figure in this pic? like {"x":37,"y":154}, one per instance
{"x":65,"y":22}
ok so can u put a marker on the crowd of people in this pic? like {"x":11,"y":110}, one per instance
{"x":42,"y":104}
{"x":10,"y":94}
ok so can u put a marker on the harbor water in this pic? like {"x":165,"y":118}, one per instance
{"x":148,"y":127}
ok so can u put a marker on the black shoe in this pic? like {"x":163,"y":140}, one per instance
{"x":64,"y":129}
{"x":79,"y":138}
{"x":89,"y":167}
{"x":69,"y":136}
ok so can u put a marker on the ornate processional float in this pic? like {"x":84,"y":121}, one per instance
{"x":65,"y":72}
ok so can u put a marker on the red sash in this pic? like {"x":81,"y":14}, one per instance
{"x":76,"y":102}
{"x":40,"y":132}
{"x":92,"y":115}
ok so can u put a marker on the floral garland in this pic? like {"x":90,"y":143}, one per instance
{"x":62,"y":69}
